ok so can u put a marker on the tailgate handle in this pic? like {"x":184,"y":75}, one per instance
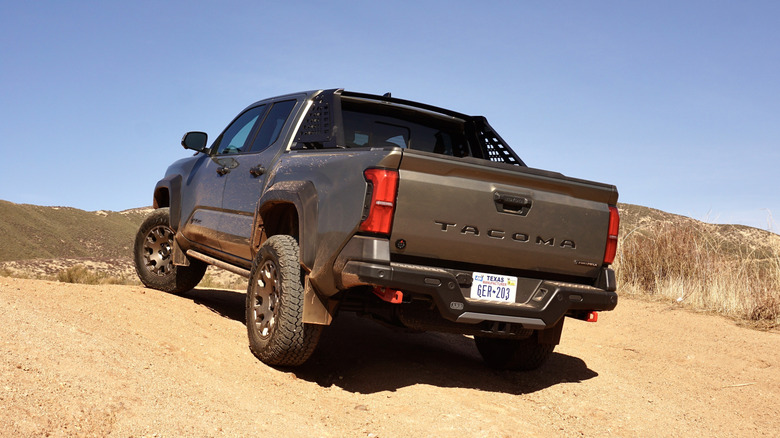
{"x":511,"y":203}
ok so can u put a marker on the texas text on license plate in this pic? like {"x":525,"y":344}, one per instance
{"x":493,"y":287}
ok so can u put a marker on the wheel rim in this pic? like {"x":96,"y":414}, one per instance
{"x":157,"y":250}
{"x":265,"y":299}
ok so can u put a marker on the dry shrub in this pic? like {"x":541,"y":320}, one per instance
{"x":767,"y":308}
{"x":83,"y":275}
{"x":210,"y":282}
{"x":224,"y":281}
{"x":687,"y":262}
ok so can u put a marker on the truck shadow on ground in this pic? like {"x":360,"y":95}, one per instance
{"x":362,"y":356}
{"x":226,"y":303}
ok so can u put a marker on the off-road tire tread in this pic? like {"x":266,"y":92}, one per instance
{"x":292,"y":341}
{"x":181,"y":278}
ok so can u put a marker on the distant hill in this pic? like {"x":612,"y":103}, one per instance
{"x":733,"y":270}
{"x":35,"y":232}
{"x":47,"y":242}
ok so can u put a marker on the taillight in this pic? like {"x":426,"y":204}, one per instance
{"x":612,"y":235}
{"x":383,"y":185}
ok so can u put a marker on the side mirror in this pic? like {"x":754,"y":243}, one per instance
{"x":195,"y":140}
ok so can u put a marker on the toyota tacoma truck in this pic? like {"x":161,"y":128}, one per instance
{"x":416,"y":216}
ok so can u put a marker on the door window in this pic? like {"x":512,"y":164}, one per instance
{"x":235,"y":138}
{"x":273,"y":124}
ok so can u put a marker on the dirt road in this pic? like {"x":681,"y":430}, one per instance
{"x":125,"y":361}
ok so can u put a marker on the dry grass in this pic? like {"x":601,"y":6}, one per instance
{"x":83,"y":275}
{"x":105,"y":271}
{"x":83,"y":270}
{"x":730,"y":271}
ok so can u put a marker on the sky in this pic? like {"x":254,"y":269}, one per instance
{"x":677,"y":103}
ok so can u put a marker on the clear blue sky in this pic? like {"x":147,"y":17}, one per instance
{"x":675,"y":102}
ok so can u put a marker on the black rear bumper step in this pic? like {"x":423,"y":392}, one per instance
{"x":542,"y":306}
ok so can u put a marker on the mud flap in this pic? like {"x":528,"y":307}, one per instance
{"x":315,"y":310}
{"x":179,"y":258}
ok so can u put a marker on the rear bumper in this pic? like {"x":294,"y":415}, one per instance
{"x":541,"y":305}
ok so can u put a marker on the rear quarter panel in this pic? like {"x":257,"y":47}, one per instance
{"x":337,"y":176}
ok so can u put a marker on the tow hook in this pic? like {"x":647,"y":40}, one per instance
{"x":390,"y":295}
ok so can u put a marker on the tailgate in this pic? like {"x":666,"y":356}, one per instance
{"x":496,"y":215}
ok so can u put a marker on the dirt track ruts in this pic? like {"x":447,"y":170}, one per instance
{"x":126,"y":361}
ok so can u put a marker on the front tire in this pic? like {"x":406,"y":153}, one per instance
{"x":274,"y":306}
{"x":153,"y":256}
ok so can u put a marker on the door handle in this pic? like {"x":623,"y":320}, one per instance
{"x":257,"y":171}
{"x":222,"y":171}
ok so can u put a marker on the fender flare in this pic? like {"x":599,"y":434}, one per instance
{"x":303,"y":196}
{"x":167,"y":193}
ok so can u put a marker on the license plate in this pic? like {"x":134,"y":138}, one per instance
{"x":493,"y":287}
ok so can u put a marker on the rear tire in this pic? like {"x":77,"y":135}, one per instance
{"x":274,"y":306}
{"x":153,"y":256}
{"x":514,"y":354}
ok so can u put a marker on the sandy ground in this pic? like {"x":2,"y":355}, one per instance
{"x":126,"y":361}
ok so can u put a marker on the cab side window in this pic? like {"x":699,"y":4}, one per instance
{"x":237,"y":136}
{"x":273,"y":124}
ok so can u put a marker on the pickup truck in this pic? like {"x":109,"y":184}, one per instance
{"x":416,"y":216}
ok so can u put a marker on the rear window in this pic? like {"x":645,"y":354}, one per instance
{"x":378,"y":125}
